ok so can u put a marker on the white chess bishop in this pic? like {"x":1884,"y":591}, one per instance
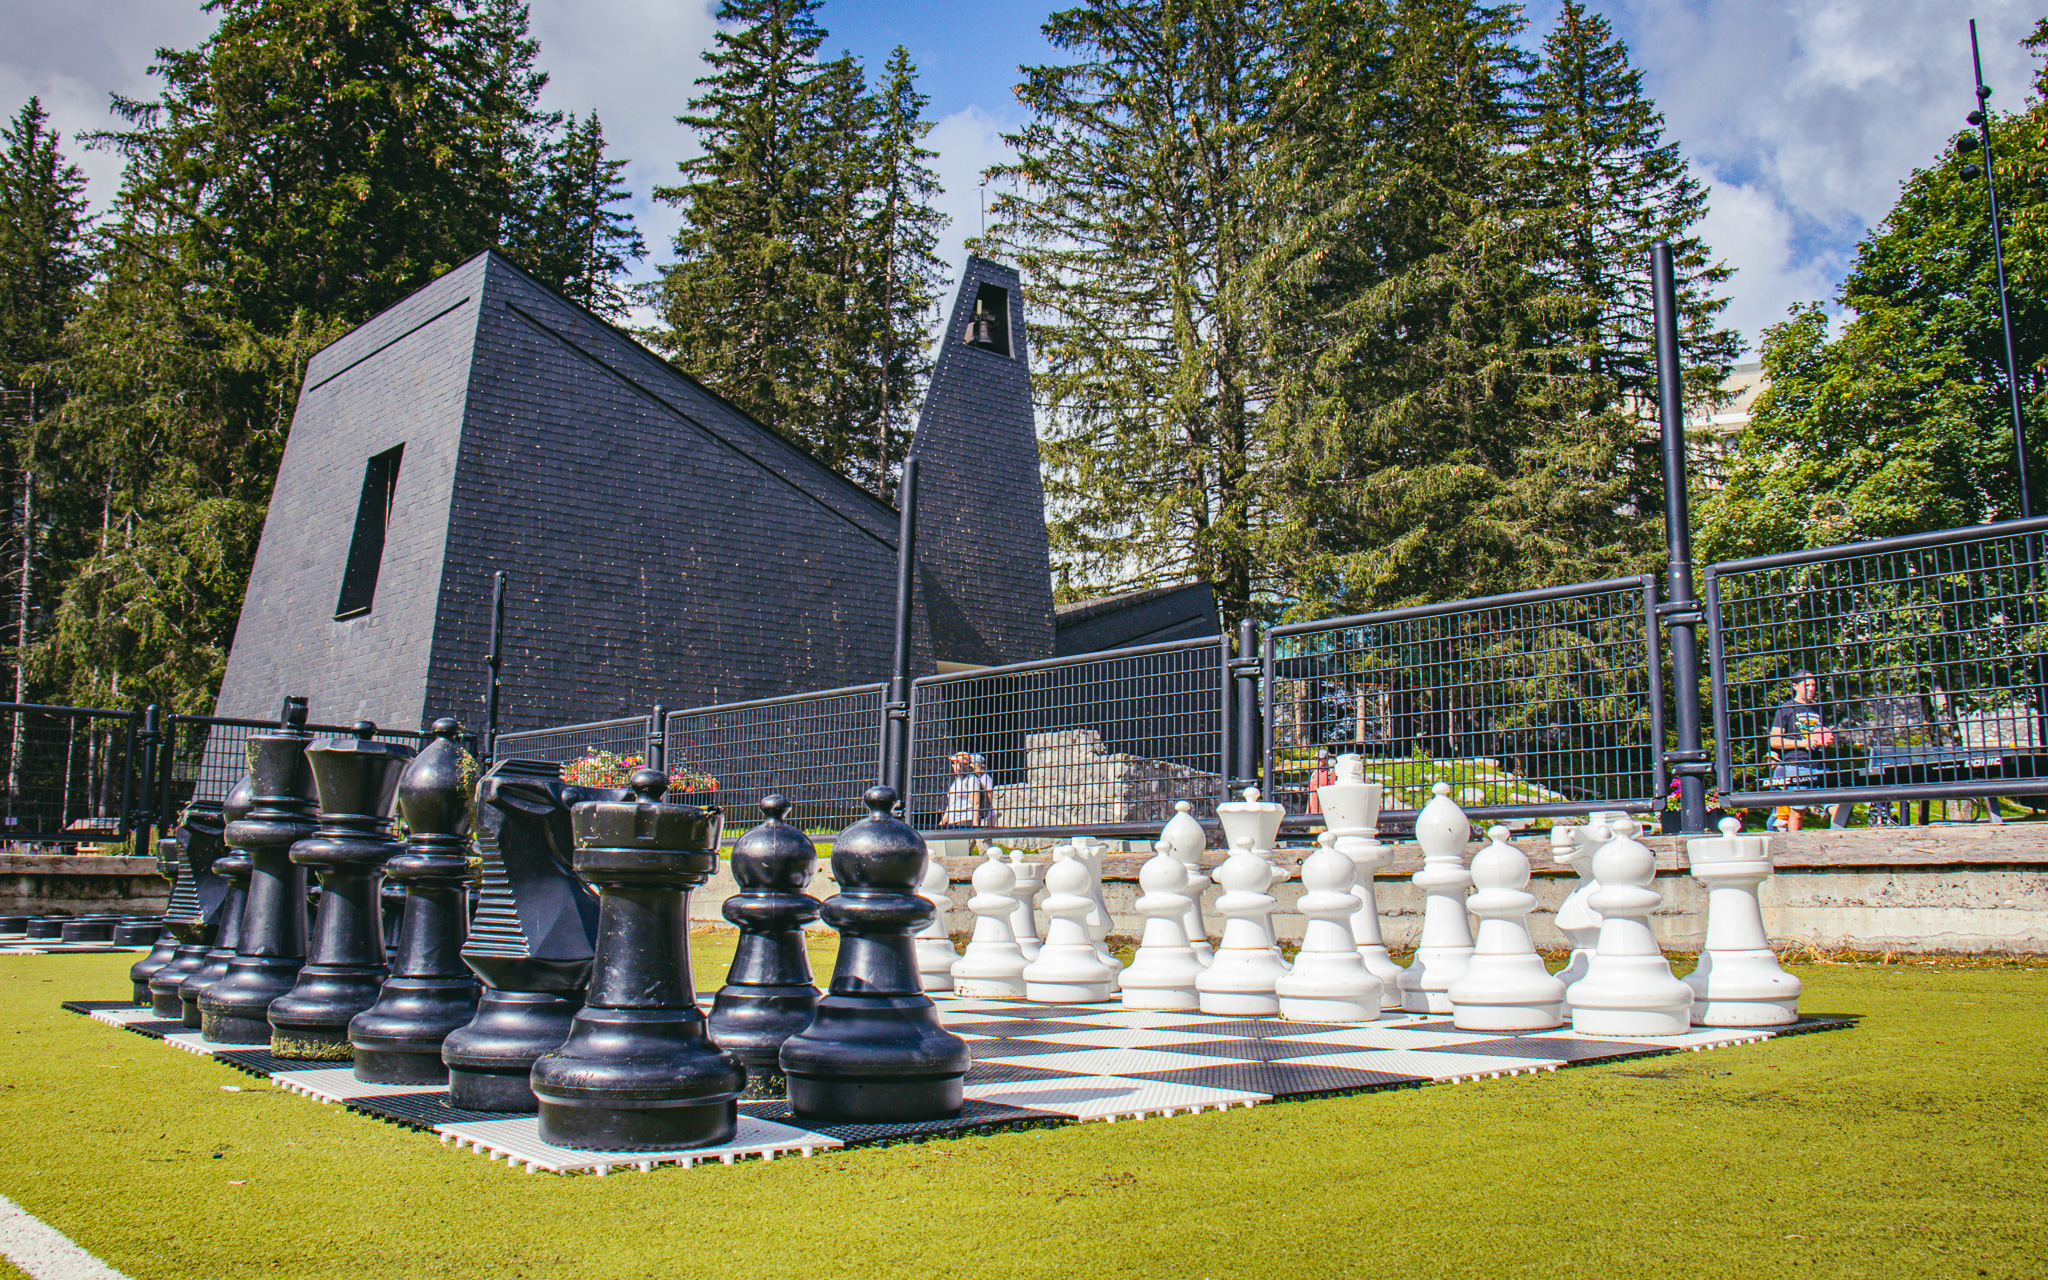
{"x":1024,"y":922}
{"x":1067,"y":970}
{"x":1189,"y":841}
{"x":933,"y":944}
{"x":992,"y":967}
{"x":1351,"y":812}
{"x":1162,"y":975}
{"x":1738,"y":982}
{"x":1329,"y":981}
{"x":1445,"y":947}
{"x":1574,"y":847}
{"x":1507,"y":987}
{"x":1629,"y":989}
{"x":1240,"y":980}
{"x":1090,"y":854}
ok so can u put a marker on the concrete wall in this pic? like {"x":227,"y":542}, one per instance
{"x":82,"y":884}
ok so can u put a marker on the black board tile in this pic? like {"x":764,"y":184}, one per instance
{"x":975,"y":1117}
{"x":257,"y":1062}
{"x":1006,"y":1047}
{"x":1020,"y":1027}
{"x":1005,"y":1072}
{"x":98,"y":1006}
{"x":1282,"y":1079}
{"x":156,"y":1030}
{"x":1260,"y":1028}
{"x":423,"y":1111}
{"x":1551,"y":1047}
{"x":1251,"y":1050}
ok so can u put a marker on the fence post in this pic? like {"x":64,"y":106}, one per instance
{"x":1680,"y":610}
{"x":139,"y":815}
{"x":896,"y":711}
{"x":492,"y":660}
{"x":1246,"y":710}
{"x":657,"y":739}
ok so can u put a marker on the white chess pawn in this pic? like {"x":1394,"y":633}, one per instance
{"x":1506,"y":987}
{"x":1738,"y":982}
{"x":933,"y":944}
{"x":1329,"y":981}
{"x":1067,"y":970}
{"x":992,"y":967}
{"x":1574,"y":847}
{"x":1188,"y":839}
{"x":1089,"y":854}
{"x":1024,"y":922}
{"x":1351,"y":810}
{"x":1240,"y":980}
{"x":1255,"y":824}
{"x":1445,"y":947}
{"x":1629,"y":989}
{"x":1162,"y":975}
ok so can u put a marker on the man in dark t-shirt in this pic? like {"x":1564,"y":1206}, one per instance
{"x":1798,"y":731}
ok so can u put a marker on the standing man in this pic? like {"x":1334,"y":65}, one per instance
{"x":970,"y":796}
{"x":1798,"y":730}
{"x":987,"y":782}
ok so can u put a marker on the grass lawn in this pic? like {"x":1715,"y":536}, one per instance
{"x":1911,"y":1146}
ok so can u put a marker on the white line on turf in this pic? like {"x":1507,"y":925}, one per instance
{"x":45,"y":1252}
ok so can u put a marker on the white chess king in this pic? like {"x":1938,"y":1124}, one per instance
{"x":1351,"y":812}
{"x":1738,"y":982}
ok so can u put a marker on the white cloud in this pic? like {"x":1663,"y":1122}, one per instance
{"x":1749,"y":226}
{"x":968,"y":142}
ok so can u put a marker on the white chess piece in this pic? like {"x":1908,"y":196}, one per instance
{"x":1162,"y":975}
{"x":1507,"y":986}
{"x":1351,"y":811}
{"x":1574,"y":847}
{"x":1738,"y":982}
{"x":993,"y":965}
{"x":1445,"y":947}
{"x":1240,"y":980}
{"x":1090,"y":853}
{"x":1067,"y":970}
{"x":1024,"y":921}
{"x":1188,"y":839}
{"x":1329,"y":981}
{"x":1629,"y":989}
{"x":933,"y":944}
{"x":1255,"y":823}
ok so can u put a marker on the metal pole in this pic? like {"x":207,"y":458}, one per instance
{"x":1681,"y":607}
{"x":1248,"y":766}
{"x":1981,"y":117}
{"x":138,"y":817}
{"x":896,"y":711}
{"x":657,"y":739}
{"x":492,"y":660}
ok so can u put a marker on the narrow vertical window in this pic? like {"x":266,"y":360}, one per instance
{"x":989,"y":326}
{"x":366,"y":548}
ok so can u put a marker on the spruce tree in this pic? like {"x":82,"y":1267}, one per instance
{"x":908,"y":274}
{"x":44,"y":260}
{"x":572,"y":235}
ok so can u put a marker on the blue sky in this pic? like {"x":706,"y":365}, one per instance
{"x":1803,"y":115}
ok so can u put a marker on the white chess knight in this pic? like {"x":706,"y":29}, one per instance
{"x":1507,"y":987}
{"x":1188,"y":839}
{"x":1240,"y":980}
{"x":993,"y":965}
{"x":1089,"y":853}
{"x":1445,"y":947}
{"x":1574,"y":847}
{"x":1351,"y":812}
{"x":1024,"y":922}
{"x":933,"y":944}
{"x":1329,"y":981}
{"x":1629,"y":989}
{"x":1162,"y":975}
{"x":1738,"y":982}
{"x":1067,"y":970}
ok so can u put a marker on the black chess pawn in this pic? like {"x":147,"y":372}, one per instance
{"x":531,"y":940}
{"x":194,"y":909}
{"x":356,"y":779}
{"x":768,"y":994}
{"x":639,"y":1071}
{"x":236,"y":1010}
{"x":875,"y":1052}
{"x":232,"y":867}
{"x":430,"y":991}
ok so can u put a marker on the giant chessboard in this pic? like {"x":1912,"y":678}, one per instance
{"x":1035,"y":1065}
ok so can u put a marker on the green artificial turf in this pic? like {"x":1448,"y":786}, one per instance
{"x":1910,"y":1146}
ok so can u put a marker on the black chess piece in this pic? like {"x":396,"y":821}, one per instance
{"x":356,"y":779}
{"x":639,"y":1071}
{"x":236,"y":1010}
{"x":875,"y":1052}
{"x":768,"y":994}
{"x":430,"y":992}
{"x":531,"y":940}
{"x":186,"y":855}
{"x":232,"y":867}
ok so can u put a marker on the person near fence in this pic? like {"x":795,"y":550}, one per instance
{"x":1798,"y":731}
{"x":988,"y":790}
{"x":1325,"y":775}
{"x":971,"y":797}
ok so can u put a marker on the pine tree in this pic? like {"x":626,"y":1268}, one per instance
{"x":572,"y":235}
{"x":44,"y":261}
{"x":904,"y":228}
{"x":840,"y":391}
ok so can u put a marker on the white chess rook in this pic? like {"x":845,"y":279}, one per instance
{"x":1067,"y":970}
{"x":1329,"y":981}
{"x":1629,"y":989}
{"x":1738,"y":982}
{"x":933,"y":944}
{"x":1162,"y":975}
{"x":1445,"y":947}
{"x":993,"y":965}
{"x":1188,"y":839}
{"x":1024,"y":922}
{"x":1090,"y":855}
{"x":1507,"y":987}
{"x":1240,"y":980}
{"x":1351,"y":811}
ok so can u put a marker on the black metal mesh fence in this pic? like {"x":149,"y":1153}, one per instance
{"x":68,"y":777}
{"x":1102,"y":742}
{"x":601,"y":753}
{"x":1929,"y":656}
{"x":819,"y":750}
{"x":1539,"y":702}
{"x":202,"y":757}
